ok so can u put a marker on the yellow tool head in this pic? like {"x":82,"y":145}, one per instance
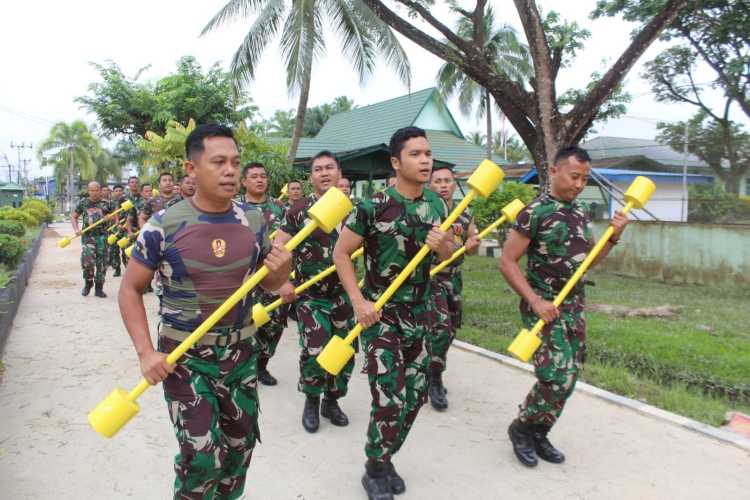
{"x":260,"y":315}
{"x":330,"y":209}
{"x":486,"y":178}
{"x":335,"y":355}
{"x":512,"y":209}
{"x":123,"y":242}
{"x":524,"y":345}
{"x":285,"y":190}
{"x":127,"y":205}
{"x":111,"y":239}
{"x":640,"y":191}
{"x":113,"y":413}
{"x":63,"y":242}
{"x":129,"y":250}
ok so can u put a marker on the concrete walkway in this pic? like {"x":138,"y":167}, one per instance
{"x":66,"y":352}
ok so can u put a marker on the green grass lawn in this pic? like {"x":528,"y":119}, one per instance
{"x":696,"y":364}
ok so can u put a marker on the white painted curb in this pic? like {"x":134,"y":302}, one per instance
{"x":643,"y":408}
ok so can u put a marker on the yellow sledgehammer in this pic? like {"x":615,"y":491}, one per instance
{"x":261,"y":313}
{"x":284,"y":192}
{"x":123,"y":242}
{"x":120,"y":406}
{"x":482,"y":182}
{"x":126,"y":205}
{"x":510,"y":212}
{"x":528,"y":341}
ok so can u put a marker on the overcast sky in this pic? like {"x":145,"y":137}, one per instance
{"x":47,"y":47}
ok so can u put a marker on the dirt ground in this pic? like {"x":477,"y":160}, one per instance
{"x":67,"y":352}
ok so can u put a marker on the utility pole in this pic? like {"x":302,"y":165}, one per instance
{"x":19,"y":148}
{"x":683,"y":216}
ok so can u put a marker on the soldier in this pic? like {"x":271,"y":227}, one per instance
{"x":204,"y":250}
{"x":447,"y":287}
{"x":393,"y":225}
{"x":345,"y":186}
{"x":93,"y":242}
{"x":134,"y":195}
{"x":165,"y":199}
{"x":113,"y":251}
{"x":255,"y":182}
{"x":323,"y":310}
{"x":187,"y":186}
{"x":554,"y":231}
{"x":106,"y":193}
{"x":147,"y":191}
{"x":294,"y":192}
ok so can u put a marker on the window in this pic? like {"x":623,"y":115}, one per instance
{"x":747,"y":185}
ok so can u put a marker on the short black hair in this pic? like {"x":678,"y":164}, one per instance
{"x":146,"y":184}
{"x":132,"y":177}
{"x":252,"y":164}
{"x":399,"y":138}
{"x":326,"y":154}
{"x":165,"y":173}
{"x":579,"y":154}
{"x":182,"y":179}
{"x":118,"y":186}
{"x":294,"y":181}
{"x":194,"y":142}
{"x":443,"y":167}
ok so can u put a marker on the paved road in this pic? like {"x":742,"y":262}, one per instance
{"x":66,"y":352}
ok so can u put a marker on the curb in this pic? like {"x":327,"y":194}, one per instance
{"x":12,"y":293}
{"x":632,"y":404}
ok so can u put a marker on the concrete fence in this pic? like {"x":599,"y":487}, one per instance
{"x":705,"y":254}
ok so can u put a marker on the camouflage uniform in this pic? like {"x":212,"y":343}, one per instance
{"x":212,"y":395}
{"x":93,"y":242}
{"x":323,"y":310}
{"x":270,"y":333}
{"x":560,"y":234}
{"x":394,"y":229}
{"x":150,"y":207}
{"x":447,"y":287}
{"x":113,"y":251}
{"x":132,"y":214}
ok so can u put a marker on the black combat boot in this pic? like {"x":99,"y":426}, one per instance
{"x":375,"y":481}
{"x":99,"y":291}
{"x":311,"y":414}
{"x":117,"y":273}
{"x":437,"y":392}
{"x":523,"y":443}
{"x":396,"y":482}
{"x":332,"y":411}
{"x":87,"y":287}
{"x":544,"y":448}
{"x":264,"y":376}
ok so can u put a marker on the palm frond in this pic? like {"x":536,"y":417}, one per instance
{"x":234,"y":9}
{"x":262,"y":31}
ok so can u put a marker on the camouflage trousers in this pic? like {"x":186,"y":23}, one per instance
{"x":94,"y":258}
{"x":269,"y":334}
{"x":446,"y":303}
{"x":213,"y":403}
{"x":113,"y":255}
{"x":557,"y":362}
{"x":318,"y":319}
{"x":396,"y":363}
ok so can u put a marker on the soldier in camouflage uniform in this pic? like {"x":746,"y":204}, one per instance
{"x":93,"y":242}
{"x":554,"y":231}
{"x":204,"y":250}
{"x":447,"y":287}
{"x":187,"y":187}
{"x":255,"y":181}
{"x":165,"y":199}
{"x":393,"y":226}
{"x":294,"y":193}
{"x":113,"y":251}
{"x":323,"y":310}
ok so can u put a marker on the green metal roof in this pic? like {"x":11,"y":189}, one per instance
{"x":10,"y":186}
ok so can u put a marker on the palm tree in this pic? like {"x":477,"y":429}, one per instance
{"x":107,"y":165}
{"x":508,"y":54}
{"x":301,"y":26}
{"x":70,"y":148}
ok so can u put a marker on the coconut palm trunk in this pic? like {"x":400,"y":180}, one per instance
{"x":70,"y":183}
{"x":304,"y":95}
{"x":488,"y":113}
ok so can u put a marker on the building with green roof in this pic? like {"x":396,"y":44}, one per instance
{"x":360,"y":137}
{"x":11,"y":195}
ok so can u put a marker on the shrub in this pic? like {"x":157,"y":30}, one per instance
{"x":11,"y":250}
{"x":9,"y":213}
{"x":35,"y":213}
{"x":487,"y":211}
{"x":38,"y":207}
{"x":12,"y":227}
{"x":712,"y":203}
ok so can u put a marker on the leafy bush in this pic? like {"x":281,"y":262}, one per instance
{"x":12,"y":227}
{"x":273,"y":155}
{"x":710,"y":203}
{"x":38,"y":208}
{"x":488,"y":211}
{"x":9,"y":213}
{"x":11,"y":250}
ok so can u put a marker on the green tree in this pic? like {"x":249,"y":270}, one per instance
{"x":108,"y":165}
{"x":166,"y":152}
{"x":128,"y":107}
{"x":534,"y":113}
{"x":301,"y":27}
{"x":316,"y":117}
{"x":486,"y":211}
{"x":512,"y":149}
{"x":272,"y":155}
{"x":282,"y":124}
{"x":71,"y":148}
{"x":508,"y":56}
{"x":477,"y":138}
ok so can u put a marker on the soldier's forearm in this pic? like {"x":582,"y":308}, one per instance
{"x":517,"y":281}
{"x":134,"y":317}
{"x":347,"y":276}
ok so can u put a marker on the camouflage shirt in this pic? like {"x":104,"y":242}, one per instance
{"x":132,"y":214}
{"x":157,"y":203}
{"x":460,"y":230}
{"x":315,"y":254}
{"x":202,"y":259}
{"x":91,"y":212}
{"x":394,"y":228}
{"x":560,"y":234}
{"x":273,"y":212}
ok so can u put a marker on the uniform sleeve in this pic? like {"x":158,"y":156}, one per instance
{"x":291,"y":222}
{"x":79,"y":208}
{"x":526,"y":222}
{"x":360,"y":218}
{"x":149,"y":247}
{"x":148,"y":209}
